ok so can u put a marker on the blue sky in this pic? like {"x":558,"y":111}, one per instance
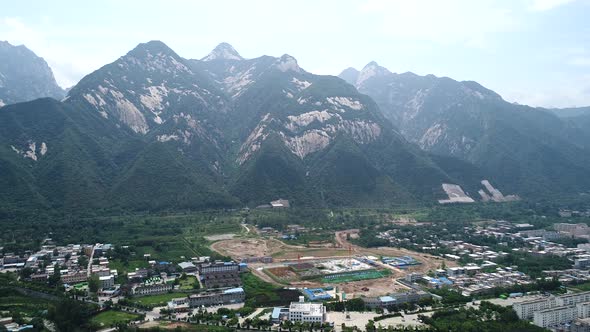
{"x":534,"y":52}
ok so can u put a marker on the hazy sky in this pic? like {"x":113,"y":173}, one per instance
{"x":533,"y":52}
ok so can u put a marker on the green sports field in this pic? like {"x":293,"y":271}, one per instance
{"x":356,"y":276}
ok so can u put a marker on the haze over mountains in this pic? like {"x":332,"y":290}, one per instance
{"x":154,"y":130}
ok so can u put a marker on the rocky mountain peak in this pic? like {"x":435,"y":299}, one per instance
{"x":223,"y":51}
{"x":24,"y":75}
{"x":154,"y":56}
{"x":152,"y":47}
{"x":287,"y":63}
{"x":372,"y":69}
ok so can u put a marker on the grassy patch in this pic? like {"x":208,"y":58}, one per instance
{"x":130,"y":266}
{"x":263,"y":294}
{"x":307,"y":238}
{"x":188,"y":283}
{"x":583,"y":287}
{"x":111,"y":317}
{"x":356,"y":276}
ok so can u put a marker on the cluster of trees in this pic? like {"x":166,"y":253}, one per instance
{"x":327,"y":219}
{"x":227,"y":317}
{"x":356,"y":304}
{"x":22,"y":309}
{"x":368,"y":238}
{"x":543,"y":285}
{"x":487,"y":318}
{"x":450,"y":297}
{"x":304,"y":326}
{"x":535,"y":265}
{"x":71,"y":315}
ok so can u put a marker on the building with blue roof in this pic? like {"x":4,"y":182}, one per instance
{"x":316,"y":294}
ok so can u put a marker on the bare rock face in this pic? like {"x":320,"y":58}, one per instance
{"x":426,"y":108}
{"x":147,"y":87}
{"x":24,"y":76}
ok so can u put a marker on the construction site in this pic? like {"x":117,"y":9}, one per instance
{"x":353,"y":269}
{"x":326,"y":271}
{"x":352,"y":275}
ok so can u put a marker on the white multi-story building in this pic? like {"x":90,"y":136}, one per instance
{"x":107,"y":282}
{"x":307,"y":312}
{"x":583,"y":310}
{"x":571,"y":299}
{"x":555,"y":310}
{"x":554,"y":316}
{"x":560,"y":315}
{"x":526,"y":310}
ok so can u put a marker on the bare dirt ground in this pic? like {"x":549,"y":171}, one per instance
{"x":374,"y":287}
{"x":239,"y":248}
{"x":264,"y":277}
{"x":281,"y":252}
{"x":285,"y":273}
{"x":353,"y":289}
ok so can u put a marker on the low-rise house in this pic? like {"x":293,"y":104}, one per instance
{"x":74,"y":277}
{"x":228,"y":296}
{"x":188,"y":267}
{"x":151,"y":289}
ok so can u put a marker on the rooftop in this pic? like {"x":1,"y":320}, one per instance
{"x":313,"y":309}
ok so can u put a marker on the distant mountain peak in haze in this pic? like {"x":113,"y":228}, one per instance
{"x":24,"y":75}
{"x":350,"y":75}
{"x":356,"y":78}
{"x":372,"y":69}
{"x":223,"y":51}
{"x":153,"y":47}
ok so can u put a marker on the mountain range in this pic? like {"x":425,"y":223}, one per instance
{"x":155,"y":131}
{"x":529,"y":151}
